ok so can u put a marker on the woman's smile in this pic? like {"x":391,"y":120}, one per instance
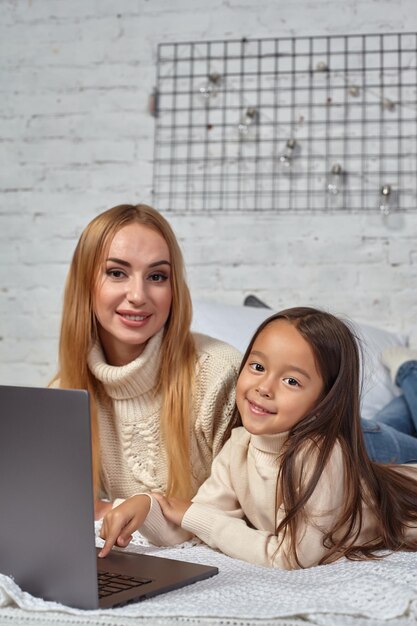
{"x":134,"y":319}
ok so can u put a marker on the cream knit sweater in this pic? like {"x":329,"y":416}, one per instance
{"x":132,"y":451}
{"x":235,"y":509}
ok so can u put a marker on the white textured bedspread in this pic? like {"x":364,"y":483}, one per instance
{"x":358,"y":593}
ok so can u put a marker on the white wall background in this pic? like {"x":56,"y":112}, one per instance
{"x":76,"y":138}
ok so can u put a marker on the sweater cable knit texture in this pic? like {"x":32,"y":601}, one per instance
{"x":132,"y":450}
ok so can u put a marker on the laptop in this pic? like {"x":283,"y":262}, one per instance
{"x":47,"y":538}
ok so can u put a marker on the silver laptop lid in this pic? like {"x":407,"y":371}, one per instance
{"x":42,"y":429}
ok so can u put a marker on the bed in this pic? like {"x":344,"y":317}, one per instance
{"x":345,"y":593}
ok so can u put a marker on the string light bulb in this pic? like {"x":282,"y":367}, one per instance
{"x":385,"y":199}
{"x":335,"y":179}
{"x":287,"y":156}
{"x":249,"y":119}
{"x":388,"y":104}
{"x":211,"y":87}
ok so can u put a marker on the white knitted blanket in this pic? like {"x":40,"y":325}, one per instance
{"x":345,"y":593}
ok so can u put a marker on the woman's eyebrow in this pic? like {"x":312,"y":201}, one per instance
{"x":127,"y":264}
{"x":118,"y":261}
{"x":162,"y":262}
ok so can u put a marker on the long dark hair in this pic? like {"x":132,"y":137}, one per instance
{"x":390,"y":495}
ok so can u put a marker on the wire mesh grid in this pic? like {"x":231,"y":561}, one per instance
{"x":314,"y":124}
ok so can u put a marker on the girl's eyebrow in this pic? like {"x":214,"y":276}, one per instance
{"x":300,"y":371}
{"x":294,"y":368}
{"x":127,"y":264}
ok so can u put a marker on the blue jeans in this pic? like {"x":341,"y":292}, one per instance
{"x":391,"y":437}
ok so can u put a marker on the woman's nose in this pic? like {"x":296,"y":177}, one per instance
{"x":136,"y":292}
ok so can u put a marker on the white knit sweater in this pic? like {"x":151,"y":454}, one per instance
{"x":235,"y":510}
{"x":132,"y":451}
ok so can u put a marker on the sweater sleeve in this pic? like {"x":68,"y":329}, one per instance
{"x":159,"y":531}
{"x":217,"y":519}
{"x":216,"y":377}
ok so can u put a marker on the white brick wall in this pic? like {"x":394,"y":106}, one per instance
{"x":76,"y":138}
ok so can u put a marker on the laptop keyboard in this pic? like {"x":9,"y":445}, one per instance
{"x":109,"y":583}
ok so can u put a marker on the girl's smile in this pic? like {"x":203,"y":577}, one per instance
{"x":279,"y":383}
{"x":258,"y":410}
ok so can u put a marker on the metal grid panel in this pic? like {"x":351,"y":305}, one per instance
{"x":287,"y":125}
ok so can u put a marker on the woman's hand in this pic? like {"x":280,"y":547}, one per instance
{"x":101,"y":507}
{"x":122,"y":521}
{"x":172,"y":508}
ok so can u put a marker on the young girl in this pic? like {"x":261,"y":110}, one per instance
{"x":161,"y":397}
{"x":294,"y":487}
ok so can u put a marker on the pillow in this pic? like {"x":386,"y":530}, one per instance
{"x":233,"y":324}
{"x":378,"y":388}
{"x":236,"y":324}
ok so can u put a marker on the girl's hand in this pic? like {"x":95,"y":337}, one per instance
{"x":122,"y":521}
{"x":101,"y":507}
{"x":172,"y":508}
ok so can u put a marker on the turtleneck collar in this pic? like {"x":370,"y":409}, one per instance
{"x":132,"y":379}
{"x":269,"y":443}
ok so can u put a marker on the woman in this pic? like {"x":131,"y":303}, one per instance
{"x":161,"y":397}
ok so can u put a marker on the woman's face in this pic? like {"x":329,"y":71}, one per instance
{"x":133,"y":296}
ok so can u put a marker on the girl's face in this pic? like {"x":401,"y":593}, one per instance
{"x":133,"y":296}
{"x":279,"y":383}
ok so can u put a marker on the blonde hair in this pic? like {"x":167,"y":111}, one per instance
{"x":79,"y":332}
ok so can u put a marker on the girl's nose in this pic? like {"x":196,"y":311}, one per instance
{"x":263,"y":392}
